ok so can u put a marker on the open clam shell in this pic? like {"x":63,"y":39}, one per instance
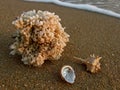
{"x":68,"y":74}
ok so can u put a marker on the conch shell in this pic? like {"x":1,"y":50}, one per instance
{"x":92,"y":63}
{"x":68,"y":74}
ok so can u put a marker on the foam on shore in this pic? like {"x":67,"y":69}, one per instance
{"x":81,"y":6}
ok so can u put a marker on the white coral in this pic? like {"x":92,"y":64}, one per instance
{"x":39,"y":37}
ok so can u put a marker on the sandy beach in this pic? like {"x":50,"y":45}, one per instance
{"x":90,"y":33}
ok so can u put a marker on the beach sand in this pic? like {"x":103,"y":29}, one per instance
{"x":90,"y":33}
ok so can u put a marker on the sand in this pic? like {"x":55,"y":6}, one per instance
{"x":90,"y":33}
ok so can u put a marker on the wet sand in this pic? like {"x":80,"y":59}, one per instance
{"x":90,"y":33}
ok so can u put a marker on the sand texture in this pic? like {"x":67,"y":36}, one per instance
{"x":90,"y":33}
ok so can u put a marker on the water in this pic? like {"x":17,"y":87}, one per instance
{"x":108,"y":7}
{"x":113,"y":5}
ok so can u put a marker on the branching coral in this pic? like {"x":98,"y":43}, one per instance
{"x":39,"y":37}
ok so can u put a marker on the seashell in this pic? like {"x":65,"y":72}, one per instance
{"x":92,"y":63}
{"x":68,"y":74}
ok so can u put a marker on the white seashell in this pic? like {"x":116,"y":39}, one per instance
{"x":92,"y":63}
{"x":68,"y":74}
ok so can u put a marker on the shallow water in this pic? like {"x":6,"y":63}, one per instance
{"x":113,"y":5}
{"x":108,"y":7}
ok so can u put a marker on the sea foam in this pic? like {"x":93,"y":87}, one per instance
{"x":81,"y":6}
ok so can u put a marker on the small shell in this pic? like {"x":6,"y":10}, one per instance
{"x":68,"y":74}
{"x":92,"y":63}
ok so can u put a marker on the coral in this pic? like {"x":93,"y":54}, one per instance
{"x":39,"y":37}
{"x":92,"y":63}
